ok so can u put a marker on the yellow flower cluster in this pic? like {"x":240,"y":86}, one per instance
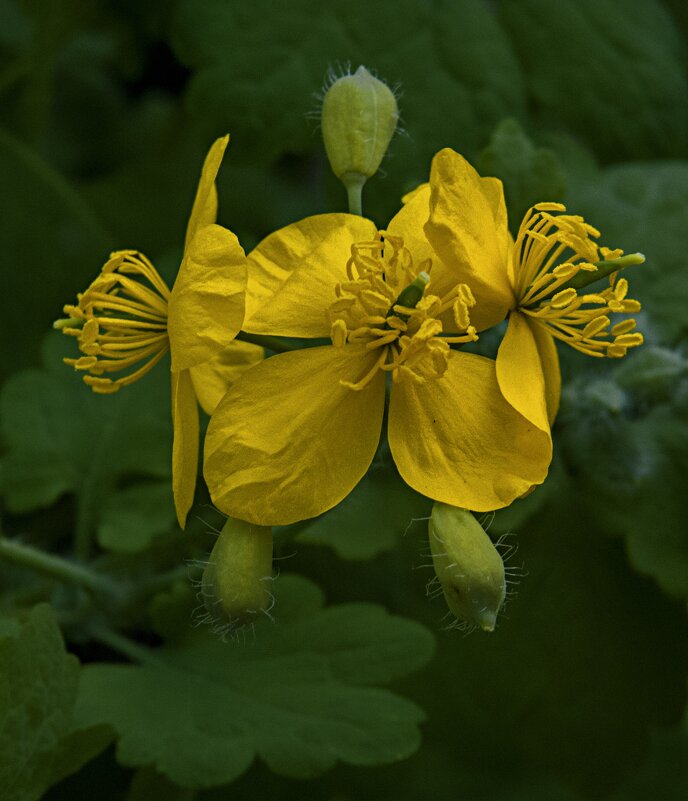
{"x":291,"y":435}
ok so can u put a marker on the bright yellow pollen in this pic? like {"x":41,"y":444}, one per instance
{"x":408,"y":339}
{"x":119,"y":321}
{"x":550,"y":250}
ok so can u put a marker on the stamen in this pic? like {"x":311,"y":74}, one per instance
{"x":119,"y":321}
{"x":548,"y":292}
{"x":404,"y":327}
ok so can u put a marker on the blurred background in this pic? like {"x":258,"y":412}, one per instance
{"x":106,"y":111}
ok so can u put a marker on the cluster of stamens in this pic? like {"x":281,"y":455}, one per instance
{"x":119,"y":321}
{"x":385,"y":307}
{"x":546,"y":286}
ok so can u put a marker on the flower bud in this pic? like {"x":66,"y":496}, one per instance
{"x":468,"y":566}
{"x":236,"y":581}
{"x":359,"y":117}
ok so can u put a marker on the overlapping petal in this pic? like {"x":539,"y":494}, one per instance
{"x":468,"y":231}
{"x":549,"y":360}
{"x":204,"y":209}
{"x":206,"y":308}
{"x":292,"y":274}
{"x":458,"y":441}
{"x":185,"y":445}
{"x":288,"y":441}
{"x":520,"y":372}
{"x":213,"y":378}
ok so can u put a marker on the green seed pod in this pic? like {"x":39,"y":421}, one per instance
{"x":359,"y":117}
{"x":236,"y":581}
{"x":468,"y":566}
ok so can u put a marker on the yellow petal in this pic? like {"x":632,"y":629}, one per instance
{"x":520,"y":374}
{"x":408,"y":223}
{"x":467,"y":229}
{"x":410,"y":195}
{"x":185,"y":445}
{"x":213,"y":378}
{"x":458,"y":441}
{"x":549,"y":359}
{"x":206,"y":308}
{"x":293,"y":273}
{"x":288,"y":442}
{"x":204,"y":210}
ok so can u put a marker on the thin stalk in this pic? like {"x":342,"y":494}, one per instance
{"x":55,"y":567}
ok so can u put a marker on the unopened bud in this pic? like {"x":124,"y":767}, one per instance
{"x":359,"y":117}
{"x":236,"y":581}
{"x":468,"y":566}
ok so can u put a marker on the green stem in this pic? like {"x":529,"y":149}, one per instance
{"x":55,"y":567}
{"x":354,"y":181}
{"x":274,"y":344}
{"x":118,"y":642}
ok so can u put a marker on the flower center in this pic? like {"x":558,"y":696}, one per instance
{"x":546,"y":286}
{"x":119,"y":321}
{"x":385,"y":306}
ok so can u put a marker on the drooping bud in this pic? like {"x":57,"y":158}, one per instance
{"x":468,"y":566}
{"x":359,"y":117}
{"x":236,"y":581}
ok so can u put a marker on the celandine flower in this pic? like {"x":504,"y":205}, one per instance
{"x":537,"y":281}
{"x":294,"y":435}
{"x":128,"y":319}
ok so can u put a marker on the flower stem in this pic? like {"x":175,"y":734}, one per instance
{"x":123,"y":645}
{"x":354,"y":181}
{"x":55,"y":566}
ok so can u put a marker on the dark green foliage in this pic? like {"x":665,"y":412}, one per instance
{"x":106,"y":111}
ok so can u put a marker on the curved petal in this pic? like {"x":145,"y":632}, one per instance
{"x":206,"y":307}
{"x":458,"y":441}
{"x":410,"y":195}
{"x":549,"y":359}
{"x":185,"y":445}
{"x":293,"y":272}
{"x":204,"y":209}
{"x":213,"y":378}
{"x":520,"y":374}
{"x":467,"y":229}
{"x":408,"y":223}
{"x":288,"y":442}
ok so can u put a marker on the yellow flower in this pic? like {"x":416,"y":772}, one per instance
{"x":294,"y":435}
{"x":128,"y":318}
{"x":534,"y":280}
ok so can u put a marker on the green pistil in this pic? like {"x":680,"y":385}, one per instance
{"x":604,"y":268}
{"x":410,"y":296}
{"x":68,"y":322}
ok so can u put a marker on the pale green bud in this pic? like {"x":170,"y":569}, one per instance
{"x":467,"y":564}
{"x":359,"y":117}
{"x":236,"y":581}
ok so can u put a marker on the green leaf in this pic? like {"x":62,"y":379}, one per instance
{"x":530,"y":174}
{"x":61,"y":437}
{"x":53,"y":246}
{"x":455,"y":65}
{"x":297,"y":696}
{"x":625,"y":443}
{"x":587,"y":660}
{"x":371,"y":519}
{"x":131,"y":518}
{"x":644,"y":207}
{"x":38,"y":686}
{"x":611,"y":73}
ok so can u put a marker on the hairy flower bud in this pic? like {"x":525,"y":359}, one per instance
{"x":359,"y":117}
{"x":467,"y":564}
{"x":236,"y":581}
